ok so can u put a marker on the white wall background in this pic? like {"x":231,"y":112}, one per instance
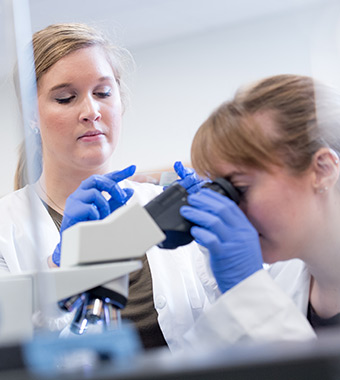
{"x":181,"y":77}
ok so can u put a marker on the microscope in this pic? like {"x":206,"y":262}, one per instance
{"x":111,"y":246}
{"x":125,"y":234}
{"x":96,"y":259}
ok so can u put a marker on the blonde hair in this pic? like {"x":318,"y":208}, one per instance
{"x":305,"y":114}
{"x":49,"y":46}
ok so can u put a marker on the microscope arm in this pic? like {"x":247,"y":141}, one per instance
{"x":125,"y":234}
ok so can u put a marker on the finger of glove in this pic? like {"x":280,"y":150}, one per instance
{"x":188,"y":181}
{"x":105,"y":182}
{"x":118,"y":176}
{"x":81,"y":213}
{"x":208,"y":221}
{"x":221,"y":237}
{"x":80,"y":197}
{"x":229,"y":268}
{"x":181,"y":170}
{"x":129,"y":193}
{"x":218,"y":204}
{"x":118,"y":195}
{"x":207,"y":239}
{"x":99,"y":182}
{"x":195,"y":187}
{"x":120,"y":198}
{"x":237,"y":224}
{"x":56,"y":255}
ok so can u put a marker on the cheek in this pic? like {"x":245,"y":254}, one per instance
{"x":52,"y":120}
{"x":262,"y":210}
{"x":277,"y":213}
{"x":112,"y":117}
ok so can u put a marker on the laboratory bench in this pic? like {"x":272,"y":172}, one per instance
{"x":287,"y":361}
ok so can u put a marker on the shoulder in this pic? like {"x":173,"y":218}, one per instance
{"x":17,"y":206}
{"x":14,"y":194}
{"x":288,"y":270}
{"x":22,"y":214}
{"x":293,"y":277}
{"x":15,"y":199}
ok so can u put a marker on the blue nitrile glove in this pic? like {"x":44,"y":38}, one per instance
{"x":188,"y":178}
{"x":88,"y":202}
{"x":222,"y":228}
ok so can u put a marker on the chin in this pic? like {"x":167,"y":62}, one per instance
{"x":94,"y":162}
{"x":269,"y":255}
{"x":272,"y":257}
{"x":269,"y":261}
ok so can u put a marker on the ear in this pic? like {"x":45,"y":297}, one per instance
{"x":34,"y":121}
{"x":325,"y":167}
{"x":33,"y":124}
{"x":34,"y":128}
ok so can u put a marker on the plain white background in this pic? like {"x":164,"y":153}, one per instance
{"x":190,"y":56}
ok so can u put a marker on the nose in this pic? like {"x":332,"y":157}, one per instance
{"x":90,"y":111}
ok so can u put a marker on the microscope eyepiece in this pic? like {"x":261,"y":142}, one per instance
{"x":164,"y":209}
{"x":224,"y":187}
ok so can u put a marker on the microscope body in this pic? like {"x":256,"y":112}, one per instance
{"x":96,"y":259}
{"x":124,"y":235}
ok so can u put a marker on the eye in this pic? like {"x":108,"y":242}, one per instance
{"x":103,"y":94}
{"x":242,"y":190}
{"x":65,"y":100}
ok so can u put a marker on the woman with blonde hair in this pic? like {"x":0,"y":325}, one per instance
{"x":81,"y":96}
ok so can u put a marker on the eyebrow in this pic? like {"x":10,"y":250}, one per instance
{"x":60,"y":86}
{"x":67,"y":85}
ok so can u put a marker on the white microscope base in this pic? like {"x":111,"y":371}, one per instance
{"x":15,"y":308}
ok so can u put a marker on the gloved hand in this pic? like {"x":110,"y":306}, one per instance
{"x":189,"y":178}
{"x":88,"y":202}
{"x":222,"y":228}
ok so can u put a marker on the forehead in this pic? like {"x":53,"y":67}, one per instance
{"x":249,"y":147}
{"x":223,"y":168}
{"x":85,"y":63}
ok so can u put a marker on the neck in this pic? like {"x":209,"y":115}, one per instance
{"x":323,"y":262}
{"x":325,"y":297}
{"x":57,"y":184}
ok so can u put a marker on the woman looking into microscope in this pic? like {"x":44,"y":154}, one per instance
{"x":278,"y":143}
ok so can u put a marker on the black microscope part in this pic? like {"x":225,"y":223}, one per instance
{"x":164,"y":209}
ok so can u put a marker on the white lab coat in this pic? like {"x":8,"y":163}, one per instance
{"x":189,"y":305}
{"x":271,"y":305}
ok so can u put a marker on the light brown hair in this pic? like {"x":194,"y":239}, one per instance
{"x":50,"y":45}
{"x":306,"y":115}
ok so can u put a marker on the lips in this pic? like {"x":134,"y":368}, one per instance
{"x":91,"y":134}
